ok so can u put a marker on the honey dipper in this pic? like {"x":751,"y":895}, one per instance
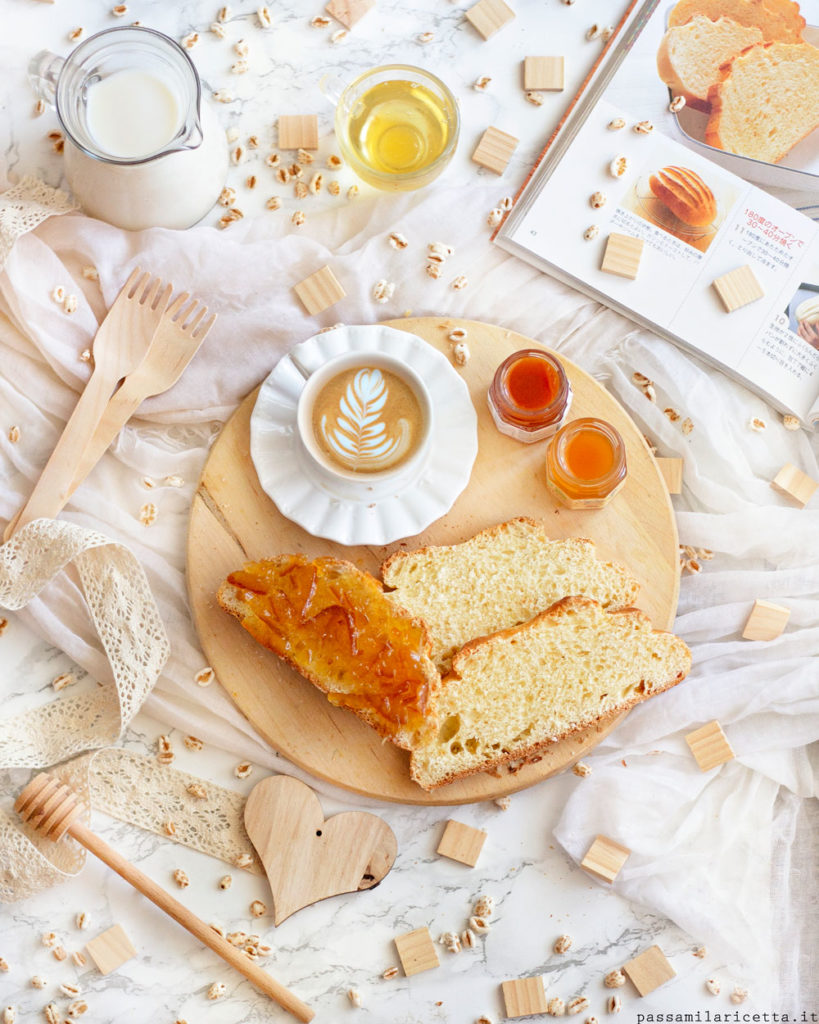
{"x":52,"y":810}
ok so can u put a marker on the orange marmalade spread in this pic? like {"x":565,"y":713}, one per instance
{"x":334,"y":623}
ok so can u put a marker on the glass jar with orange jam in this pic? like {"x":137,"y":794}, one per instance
{"x":586,"y":464}
{"x":530,"y":395}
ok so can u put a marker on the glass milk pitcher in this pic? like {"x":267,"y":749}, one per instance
{"x":141,"y":149}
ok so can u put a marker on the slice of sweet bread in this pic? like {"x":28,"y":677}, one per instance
{"x":766,"y":100}
{"x":779,"y":20}
{"x":333,"y":624}
{"x":498,"y":578}
{"x":684,"y":193}
{"x":690,"y":55}
{"x":513,"y":694}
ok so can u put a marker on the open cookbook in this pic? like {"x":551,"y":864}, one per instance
{"x":693,"y":106}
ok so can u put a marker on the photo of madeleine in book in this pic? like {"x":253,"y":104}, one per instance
{"x":803,"y":314}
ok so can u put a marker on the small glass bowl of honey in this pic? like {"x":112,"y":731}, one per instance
{"x":530,"y":395}
{"x":586,"y":464}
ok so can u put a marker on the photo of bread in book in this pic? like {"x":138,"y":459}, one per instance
{"x":751,"y":67}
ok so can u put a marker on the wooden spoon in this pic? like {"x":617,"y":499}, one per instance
{"x":52,"y":810}
{"x":119,"y":345}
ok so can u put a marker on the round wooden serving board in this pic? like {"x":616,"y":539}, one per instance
{"x":233,"y":521}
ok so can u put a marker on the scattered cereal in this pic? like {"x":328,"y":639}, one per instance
{"x":78,"y":958}
{"x":556,"y":1007}
{"x":616,"y":124}
{"x":120,"y":10}
{"x":68,"y":988}
{"x":300,"y":190}
{"x":243,"y":770}
{"x":484,"y":906}
{"x":352,"y":191}
{"x":439,"y":251}
{"x":218,"y":30}
{"x":756,"y":424}
{"x":264,"y":17}
{"x":190,"y":40}
{"x":70,"y":305}
{"x":534,"y":97}
{"x":479,"y":925}
{"x":712,"y":985}
{"x":77,"y":1008}
{"x":59,"y":953}
{"x":614,"y":1004}
{"x":383,"y":290}
{"x":76,"y":33}
{"x":38,"y":981}
{"x":618,"y":167}
{"x":238,"y":155}
{"x":460,"y":282}
{"x":181,"y":878}
{"x":791,"y":422}
{"x":243,"y":860}
{"x":3,"y":626}
{"x":676,"y":105}
{"x":397,"y":240}
{"x":391,"y":972}
{"x":451,"y":941}
{"x":193,"y":743}
{"x":90,"y":273}
{"x":481,"y":84}
{"x":148,"y":514}
{"x":258,"y":909}
{"x":9,"y":1015}
{"x":232,"y":134}
{"x":582,"y":770}
{"x":614,"y":979}
{"x":51,"y":1013}
{"x":217,"y":990}
{"x":468,"y":940}
{"x":85,"y":355}
{"x":223,"y":13}
{"x":81,"y":920}
{"x":241,"y":48}
{"x":273,"y":160}
{"x":298,"y":218}
{"x":577,"y":1005}
{"x":563,"y":944}
{"x":672,"y":414}
{"x":196,"y":790}
{"x":495,"y":217}
{"x":204,"y":677}
{"x":14,"y":434}
{"x":597,"y":200}
{"x":591,"y":232}
{"x":354,"y":996}
{"x":169,"y":827}
{"x":644,"y":128}
{"x":239,"y":67}
{"x":687,"y":426}
{"x":503,"y":802}
{"x":226,"y":881}
{"x":593,"y":31}
{"x":739,"y":995}
{"x":273,"y":203}
{"x":315,"y":183}
{"x":39,"y":108}
{"x":319,"y":21}
{"x":433,"y":270}
{"x":426,"y":37}
{"x":338,"y":36}
{"x":227,"y":197}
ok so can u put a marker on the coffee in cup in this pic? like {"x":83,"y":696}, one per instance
{"x":365,"y":416}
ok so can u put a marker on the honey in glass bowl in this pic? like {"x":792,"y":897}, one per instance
{"x":530,"y":395}
{"x":586,"y":464}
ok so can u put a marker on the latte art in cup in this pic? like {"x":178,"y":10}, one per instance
{"x":367,"y":419}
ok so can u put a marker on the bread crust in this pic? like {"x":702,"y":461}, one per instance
{"x":718,"y":100}
{"x":779,"y":20}
{"x":685,"y":193}
{"x":531,"y":752}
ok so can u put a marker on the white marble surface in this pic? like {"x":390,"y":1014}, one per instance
{"x":344,"y":942}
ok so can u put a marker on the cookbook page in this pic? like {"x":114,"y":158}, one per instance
{"x":697,"y":221}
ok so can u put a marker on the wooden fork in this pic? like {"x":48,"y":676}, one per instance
{"x":119,"y":345}
{"x":176,"y":341}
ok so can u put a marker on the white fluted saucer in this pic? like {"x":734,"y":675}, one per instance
{"x":360,"y":514}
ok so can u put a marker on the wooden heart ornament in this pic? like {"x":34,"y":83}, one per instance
{"x":307,"y":857}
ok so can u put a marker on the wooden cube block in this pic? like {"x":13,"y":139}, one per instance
{"x":488,"y":16}
{"x":544,"y":73}
{"x":710,"y":746}
{"x":649,"y":970}
{"x":523,"y":996}
{"x":672,"y":471}
{"x":111,"y":949}
{"x":767,"y":621}
{"x":348,"y":12}
{"x":461,"y":842}
{"x":319,"y":291}
{"x":417,"y":951}
{"x":738,"y":287}
{"x":622,"y":255}
{"x":298,"y":131}
{"x":494,"y":150}
{"x":605,"y":858}
{"x":794,"y":484}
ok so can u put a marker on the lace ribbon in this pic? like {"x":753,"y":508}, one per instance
{"x":24,"y":206}
{"x":127,"y":786}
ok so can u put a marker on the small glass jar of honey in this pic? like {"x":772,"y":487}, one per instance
{"x":530,"y":395}
{"x":586,"y":464}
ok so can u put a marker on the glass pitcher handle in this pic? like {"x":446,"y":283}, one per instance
{"x":332,"y":88}
{"x":43,"y":71}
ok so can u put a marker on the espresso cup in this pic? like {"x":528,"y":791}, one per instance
{"x":364,"y":421}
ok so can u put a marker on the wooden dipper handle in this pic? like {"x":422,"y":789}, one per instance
{"x":38,"y":803}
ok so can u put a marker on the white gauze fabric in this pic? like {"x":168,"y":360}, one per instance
{"x":702,"y":843}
